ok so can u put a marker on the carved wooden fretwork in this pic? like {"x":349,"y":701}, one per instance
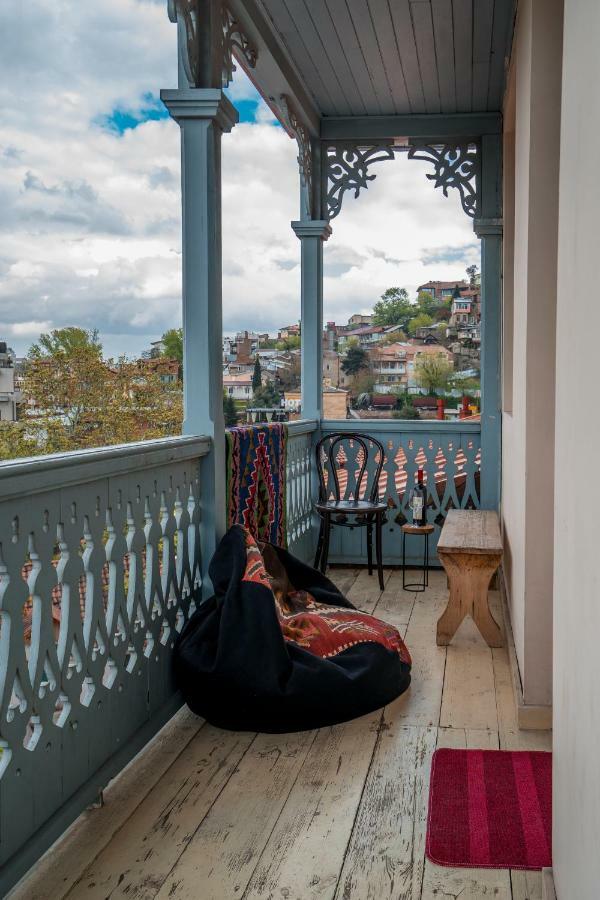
{"x":228,"y":41}
{"x":455,"y":166}
{"x":347,"y":170}
{"x":299,"y":131}
{"x":235,"y":42}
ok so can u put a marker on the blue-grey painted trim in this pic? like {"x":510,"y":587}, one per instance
{"x":312,"y":235}
{"x":471,"y":126}
{"x":35,"y":474}
{"x":490,"y":231}
{"x":274,"y":73}
{"x":397,"y":426}
{"x":302,"y":426}
{"x":53,"y":828}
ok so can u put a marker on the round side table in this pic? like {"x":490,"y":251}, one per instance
{"x":425,"y":531}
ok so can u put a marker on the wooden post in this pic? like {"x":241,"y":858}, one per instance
{"x":312,"y":233}
{"x":203,"y":114}
{"x":489,"y":228}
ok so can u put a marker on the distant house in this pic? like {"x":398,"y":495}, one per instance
{"x":389,"y":366}
{"x":9,"y":395}
{"x":331,"y":368}
{"x":360,"y":319}
{"x":335,"y":403}
{"x":288,"y":331}
{"x":366,"y":335}
{"x":238,"y":386}
{"x":442,"y":290}
{"x":168,"y":370}
{"x":466,"y":307}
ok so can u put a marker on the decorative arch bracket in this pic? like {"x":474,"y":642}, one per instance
{"x":456,"y":166}
{"x":347,"y":169}
{"x":196,"y":17}
{"x":296,"y":129}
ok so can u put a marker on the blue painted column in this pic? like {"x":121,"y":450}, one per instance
{"x":488,"y":228}
{"x":203,"y":114}
{"x":312,"y":233}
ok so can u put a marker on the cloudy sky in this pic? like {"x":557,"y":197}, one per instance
{"x":90,"y":204}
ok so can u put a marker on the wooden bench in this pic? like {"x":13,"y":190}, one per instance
{"x":470,"y":549}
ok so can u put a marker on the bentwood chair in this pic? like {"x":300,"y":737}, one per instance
{"x":349,"y":468}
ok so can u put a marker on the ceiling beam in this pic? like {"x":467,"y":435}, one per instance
{"x":456,"y":126}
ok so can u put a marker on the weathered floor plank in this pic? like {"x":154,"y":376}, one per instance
{"x":385,"y":855}
{"x":469,"y":699}
{"x":139,"y":858}
{"x":395,"y":605}
{"x":225,"y":849}
{"x":421,"y":704}
{"x":59,"y":870}
{"x":305,"y":852}
{"x":365,"y":592}
{"x":339,"y":813}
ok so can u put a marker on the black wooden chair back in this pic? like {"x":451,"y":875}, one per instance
{"x":349,"y":467}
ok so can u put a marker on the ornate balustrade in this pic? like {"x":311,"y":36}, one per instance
{"x":450,"y":455}
{"x":99,"y":568}
{"x":300,"y":465}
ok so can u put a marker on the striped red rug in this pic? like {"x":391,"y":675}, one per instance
{"x":491,"y":809}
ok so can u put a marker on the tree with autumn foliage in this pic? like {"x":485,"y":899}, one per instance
{"x":73,"y":398}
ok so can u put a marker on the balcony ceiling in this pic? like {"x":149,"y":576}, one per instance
{"x":392,"y":57}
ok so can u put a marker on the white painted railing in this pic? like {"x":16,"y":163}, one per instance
{"x":99,"y":569}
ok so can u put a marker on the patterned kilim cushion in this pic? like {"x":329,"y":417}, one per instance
{"x":256,"y":480}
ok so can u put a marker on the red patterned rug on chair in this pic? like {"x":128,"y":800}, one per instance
{"x":490,"y":809}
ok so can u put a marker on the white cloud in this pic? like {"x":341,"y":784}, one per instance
{"x":90,"y":220}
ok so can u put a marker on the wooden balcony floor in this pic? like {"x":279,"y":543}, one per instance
{"x":335,"y":813}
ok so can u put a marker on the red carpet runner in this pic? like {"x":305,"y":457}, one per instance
{"x":491,"y":809}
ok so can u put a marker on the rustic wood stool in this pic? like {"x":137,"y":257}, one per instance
{"x":424,"y":530}
{"x":470,"y":549}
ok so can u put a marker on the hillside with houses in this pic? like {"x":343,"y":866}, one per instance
{"x":407,"y":358}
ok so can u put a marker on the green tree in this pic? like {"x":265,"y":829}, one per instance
{"x":393,"y":337}
{"x":394,"y":308}
{"x":407,"y":411}
{"x":256,"y":375}
{"x":173,"y":345}
{"x":267,"y":396}
{"x":427,"y":304}
{"x":289,"y":343}
{"x":420,"y":321}
{"x":443,"y":312}
{"x":355,"y":360}
{"x":229,"y":410}
{"x":433,"y":372}
{"x":16,"y":441}
{"x":67,"y":341}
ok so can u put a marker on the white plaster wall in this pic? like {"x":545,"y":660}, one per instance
{"x":528,"y":429}
{"x":576,"y":856}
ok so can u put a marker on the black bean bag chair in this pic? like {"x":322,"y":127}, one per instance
{"x":278,"y":648}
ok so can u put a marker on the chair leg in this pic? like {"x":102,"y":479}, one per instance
{"x":325,"y":547}
{"x":379,"y":549}
{"x":319,"y":545}
{"x":370,"y":547}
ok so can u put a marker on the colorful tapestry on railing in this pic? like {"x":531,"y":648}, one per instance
{"x":256,"y":480}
